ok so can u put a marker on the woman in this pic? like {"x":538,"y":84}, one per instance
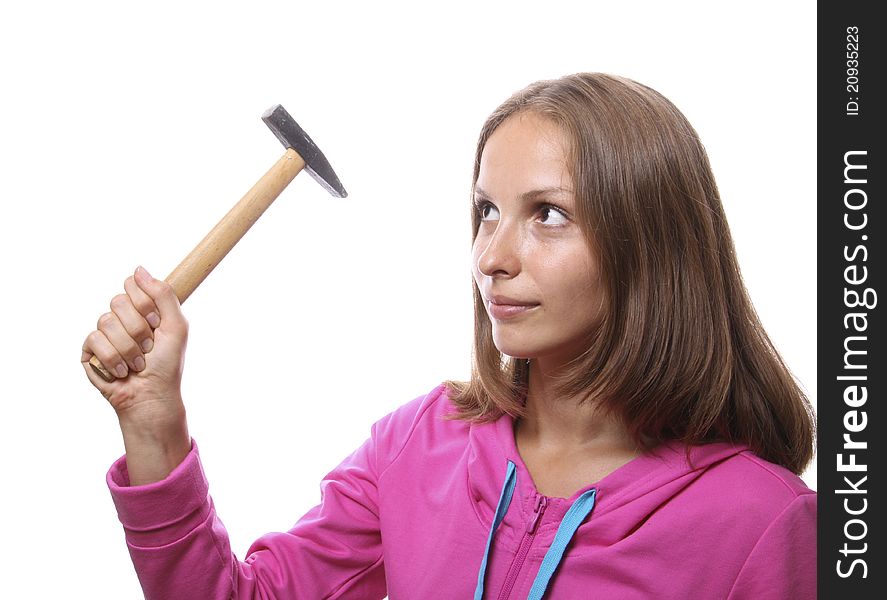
{"x":628,"y":431}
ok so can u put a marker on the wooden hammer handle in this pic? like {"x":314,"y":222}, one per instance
{"x":224,"y":236}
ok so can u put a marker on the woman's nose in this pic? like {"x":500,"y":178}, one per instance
{"x":499,"y":251}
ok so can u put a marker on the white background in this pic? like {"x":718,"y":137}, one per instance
{"x":127,"y":130}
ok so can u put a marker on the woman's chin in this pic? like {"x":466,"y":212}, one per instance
{"x":514,"y":350}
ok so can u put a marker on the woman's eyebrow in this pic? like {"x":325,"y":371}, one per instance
{"x":531,"y":195}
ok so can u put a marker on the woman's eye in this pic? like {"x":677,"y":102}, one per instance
{"x":558,"y":216}
{"x":482,"y":210}
{"x":548,"y":214}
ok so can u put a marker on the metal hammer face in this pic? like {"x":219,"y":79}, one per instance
{"x":292,"y":136}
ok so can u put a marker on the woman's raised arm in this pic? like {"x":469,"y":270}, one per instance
{"x":142,"y":341}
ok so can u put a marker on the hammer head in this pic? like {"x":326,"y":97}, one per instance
{"x":292,"y":136}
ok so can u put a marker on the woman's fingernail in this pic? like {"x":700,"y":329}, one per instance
{"x":139,"y":363}
{"x":147,"y":344}
{"x":153,"y":320}
{"x":120,"y":370}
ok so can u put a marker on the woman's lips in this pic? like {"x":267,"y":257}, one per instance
{"x":507,"y":311}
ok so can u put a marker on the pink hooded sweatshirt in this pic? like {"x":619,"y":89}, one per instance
{"x":428,"y":508}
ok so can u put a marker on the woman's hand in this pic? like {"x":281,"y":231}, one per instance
{"x":142,"y":341}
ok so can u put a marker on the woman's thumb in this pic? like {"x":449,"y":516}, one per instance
{"x":160,"y":292}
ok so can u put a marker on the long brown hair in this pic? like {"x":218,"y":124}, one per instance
{"x":680,"y":352}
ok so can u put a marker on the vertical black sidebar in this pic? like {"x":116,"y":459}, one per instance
{"x":852,"y":366}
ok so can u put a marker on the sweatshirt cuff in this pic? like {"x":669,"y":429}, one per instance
{"x":162,"y":512}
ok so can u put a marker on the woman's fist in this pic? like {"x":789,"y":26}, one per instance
{"x":142,"y":342}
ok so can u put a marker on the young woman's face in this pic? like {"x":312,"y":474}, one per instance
{"x":528,"y":249}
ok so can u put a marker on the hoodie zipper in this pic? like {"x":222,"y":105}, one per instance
{"x":524,"y":548}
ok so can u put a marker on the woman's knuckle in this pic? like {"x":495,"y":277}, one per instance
{"x":119,"y":301}
{"x":93,"y":340}
{"x":146,"y":307}
{"x":129,"y":349}
{"x":141,"y":330}
{"x":166,"y":290}
{"x":106,"y":321}
{"x":99,"y":347}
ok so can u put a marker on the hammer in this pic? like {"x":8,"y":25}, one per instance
{"x":301,"y":153}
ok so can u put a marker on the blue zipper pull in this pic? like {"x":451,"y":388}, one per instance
{"x":541,"y":503}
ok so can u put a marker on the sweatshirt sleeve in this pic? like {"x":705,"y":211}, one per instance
{"x":783,"y":562}
{"x":180,"y":548}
